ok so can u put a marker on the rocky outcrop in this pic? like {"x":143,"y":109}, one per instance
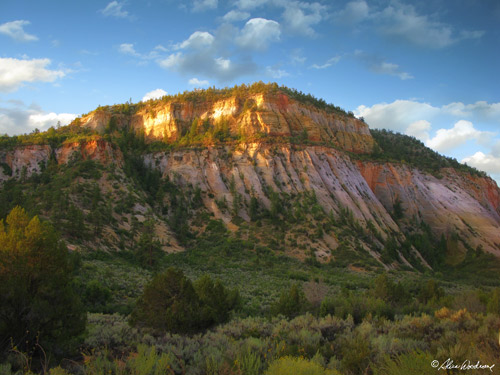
{"x":453,"y":204}
{"x":272,"y":115}
{"x":24,"y":161}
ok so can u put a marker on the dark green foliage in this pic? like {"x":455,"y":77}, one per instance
{"x":291,"y":303}
{"x":429,"y":292}
{"x":170,"y":302}
{"x":38,"y":305}
{"x":96,"y":296}
{"x":403,"y":148}
{"x":217,"y":302}
{"x":148,"y":249}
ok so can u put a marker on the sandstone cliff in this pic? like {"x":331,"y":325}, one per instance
{"x":281,"y":146}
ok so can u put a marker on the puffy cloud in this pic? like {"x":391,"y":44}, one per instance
{"x":155,"y":94}
{"x":251,"y":4}
{"x":299,"y":20}
{"x":207,"y":62}
{"x":353,"y":12}
{"x":398,"y":115}
{"x":46,"y":120}
{"x":482,"y":109}
{"x":402,"y":21}
{"x":329,"y":62}
{"x":201,"y":5}
{"x":235,"y":15}
{"x":258,"y":33}
{"x":199,"y":83}
{"x":14,"y":72}
{"x":17,"y":118}
{"x":173,"y":60}
{"x":114,"y":9}
{"x":377,"y":65}
{"x":15,"y":30}
{"x":419,"y":129}
{"x":128,"y":49}
{"x":299,"y":17}
{"x":485,"y":162}
{"x":197,"y":40}
{"x":462,"y":131}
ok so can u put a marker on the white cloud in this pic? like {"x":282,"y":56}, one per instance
{"x":482,"y":109}
{"x":155,"y":94}
{"x":197,"y":40}
{"x":353,"y":12}
{"x":329,"y":62}
{"x":46,"y":120}
{"x":462,"y":131}
{"x":391,"y":69}
{"x":251,"y":4}
{"x":201,"y":5}
{"x":128,"y":49}
{"x":419,"y":129}
{"x":485,"y":162}
{"x":258,"y":33}
{"x":299,"y":17}
{"x":14,"y":72}
{"x":235,"y":16}
{"x":172,"y":60}
{"x":15,"y":30}
{"x":398,"y":115}
{"x":17,"y":118}
{"x":198,"y":83}
{"x":276,"y":73}
{"x":402,"y":21}
{"x":114,"y":9}
{"x":299,"y":21}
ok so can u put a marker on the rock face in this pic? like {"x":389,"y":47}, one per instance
{"x":246,"y":169}
{"x":453,"y":204}
{"x":28,"y":160}
{"x":260,"y":114}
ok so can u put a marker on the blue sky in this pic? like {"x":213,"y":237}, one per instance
{"x":427,"y":69}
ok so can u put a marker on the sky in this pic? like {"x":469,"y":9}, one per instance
{"x":426,"y":69}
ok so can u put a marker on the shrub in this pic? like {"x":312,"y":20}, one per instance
{"x":168,"y":303}
{"x":38,"y":306}
{"x":291,"y":303}
{"x":217,"y":301}
{"x":413,"y":363}
{"x":297,"y":366}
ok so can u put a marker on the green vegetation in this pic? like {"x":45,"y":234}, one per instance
{"x":170,"y":302}
{"x":396,"y":147}
{"x":40,"y":313}
{"x":234,"y":302}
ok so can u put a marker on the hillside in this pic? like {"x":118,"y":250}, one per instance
{"x":279,"y":168}
{"x":233,"y":230}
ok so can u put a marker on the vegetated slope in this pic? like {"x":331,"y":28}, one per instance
{"x":281,"y":169}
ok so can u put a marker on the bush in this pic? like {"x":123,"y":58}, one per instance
{"x":170,"y":302}
{"x":297,"y":366}
{"x":38,"y":306}
{"x":414,"y":363}
{"x":291,"y":303}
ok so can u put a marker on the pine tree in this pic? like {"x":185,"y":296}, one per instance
{"x":38,"y":306}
